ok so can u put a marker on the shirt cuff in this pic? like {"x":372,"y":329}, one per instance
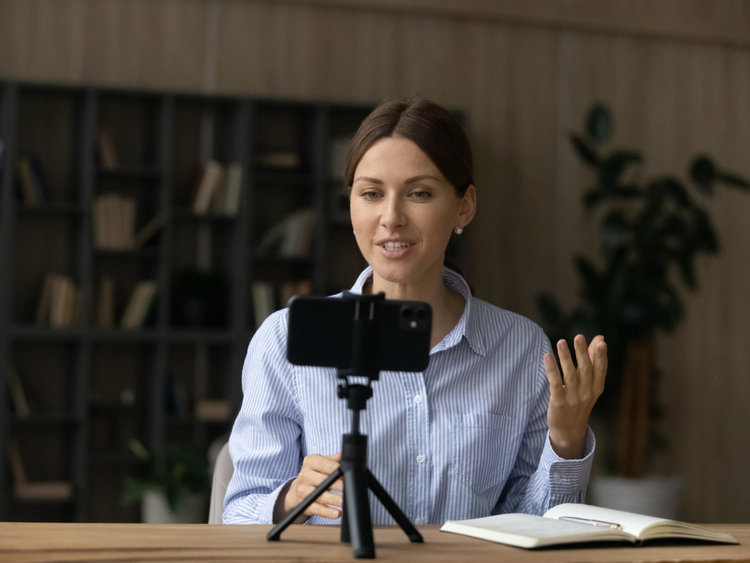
{"x":568,"y":476}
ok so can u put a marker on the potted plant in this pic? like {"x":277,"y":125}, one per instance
{"x":651,"y":231}
{"x":174,"y":486}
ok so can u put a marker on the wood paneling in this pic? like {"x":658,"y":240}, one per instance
{"x":675,"y":72}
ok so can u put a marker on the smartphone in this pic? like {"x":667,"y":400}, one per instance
{"x":321,"y":333}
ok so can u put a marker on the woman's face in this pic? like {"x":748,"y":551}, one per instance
{"x":404,"y":210}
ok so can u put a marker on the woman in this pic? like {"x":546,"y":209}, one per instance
{"x":489,"y":427}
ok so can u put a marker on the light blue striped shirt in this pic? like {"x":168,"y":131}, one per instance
{"x":466,"y":438}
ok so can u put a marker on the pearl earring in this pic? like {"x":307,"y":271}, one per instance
{"x":458,"y":230}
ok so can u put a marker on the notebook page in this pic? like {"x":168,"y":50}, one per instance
{"x":631,"y":523}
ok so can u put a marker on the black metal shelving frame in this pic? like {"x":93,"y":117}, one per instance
{"x":243,"y":267}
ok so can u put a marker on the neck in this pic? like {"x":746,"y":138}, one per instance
{"x":447,"y":305}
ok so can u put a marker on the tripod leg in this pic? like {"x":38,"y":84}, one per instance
{"x":275,"y":533}
{"x":358,"y":512}
{"x":345,"y":536}
{"x":393,"y":509}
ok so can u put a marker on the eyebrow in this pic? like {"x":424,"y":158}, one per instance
{"x":409,"y":181}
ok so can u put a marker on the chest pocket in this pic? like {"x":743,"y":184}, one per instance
{"x":482,"y":449}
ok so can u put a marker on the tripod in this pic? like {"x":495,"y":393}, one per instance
{"x":356,"y":524}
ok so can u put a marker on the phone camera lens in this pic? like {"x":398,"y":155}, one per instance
{"x":420,"y":314}
{"x":406,"y":311}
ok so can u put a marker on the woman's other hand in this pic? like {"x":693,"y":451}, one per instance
{"x":315,"y":469}
{"x":570,"y":403}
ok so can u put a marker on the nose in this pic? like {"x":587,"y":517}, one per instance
{"x":394,"y":214}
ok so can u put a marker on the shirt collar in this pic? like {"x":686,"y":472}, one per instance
{"x":466,"y":326}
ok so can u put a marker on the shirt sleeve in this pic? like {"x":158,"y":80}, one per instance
{"x":540,"y":479}
{"x":265,"y":441}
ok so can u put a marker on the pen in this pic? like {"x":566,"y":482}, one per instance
{"x":590,"y":522}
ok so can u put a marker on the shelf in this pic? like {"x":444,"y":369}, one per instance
{"x":188,"y":216}
{"x":274,"y":259}
{"x":44,"y":419}
{"x":145,"y":252}
{"x":130,"y":173}
{"x":201,"y":335}
{"x":52,"y":208}
{"x":191,"y":421}
{"x":148,"y":335}
{"x":32,"y":332}
{"x":280,"y":176}
{"x":164,"y":136}
{"x":113,"y":458}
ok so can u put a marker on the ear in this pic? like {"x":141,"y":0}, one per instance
{"x":467,"y":207}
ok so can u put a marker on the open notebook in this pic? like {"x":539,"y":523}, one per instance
{"x":575,"y":523}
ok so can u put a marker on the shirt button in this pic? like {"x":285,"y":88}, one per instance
{"x":556,"y":477}
{"x":418,"y":399}
{"x":420,"y":458}
{"x":417,"y":520}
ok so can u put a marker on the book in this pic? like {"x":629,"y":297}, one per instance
{"x":579,"y":523}
{"x":148,"y":230}
{"x":233,"y":189}
{"x":298,"y":233}
{"x":45,"y":300}
{"x":114,"y":219}
{"x":213,"y":410}
{"x":209,"y":181}
{"x":291,"y":288}
{"x":30,"y":194}
{"x":291,"y":237}
{"x":21,"y":404}
{"x":138,"y":305}
{"x":39,"y":490}
{"x":263,"y":301}
{"x":277,"y":159}
{"x":107,"y":150}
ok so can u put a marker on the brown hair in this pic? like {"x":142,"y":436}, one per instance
{"x":429,"y":126}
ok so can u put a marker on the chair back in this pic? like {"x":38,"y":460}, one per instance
{"x":223,"y":471}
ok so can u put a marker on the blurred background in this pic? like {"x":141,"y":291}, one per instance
{"x":170,"y":174}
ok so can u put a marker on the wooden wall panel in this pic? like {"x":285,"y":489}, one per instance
{"x":675,"y":72}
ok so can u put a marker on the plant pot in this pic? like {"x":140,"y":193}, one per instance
{"x":652,"y":496}
{"x":191,"y":510}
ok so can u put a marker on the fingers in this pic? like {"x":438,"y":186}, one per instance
{"x":570,"y":375}
{"x":585,"y":368}
{"x":553,"y":375}
{"x":315,"y":469}
{"x":600,"y":362}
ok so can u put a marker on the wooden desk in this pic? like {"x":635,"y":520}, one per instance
{"x":203,"y":543}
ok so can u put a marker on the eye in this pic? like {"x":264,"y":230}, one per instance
{"x":420,"y":195}
{"x":369,"y":195}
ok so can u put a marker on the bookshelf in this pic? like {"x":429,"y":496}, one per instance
{"x":93,"y":385}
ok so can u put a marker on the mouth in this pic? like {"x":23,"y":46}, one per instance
{"x":394,"y":249}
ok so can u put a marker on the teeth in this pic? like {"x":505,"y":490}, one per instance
{"x":394,"y":245}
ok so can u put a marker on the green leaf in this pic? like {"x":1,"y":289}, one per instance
{"x":705,"y":234}
{"x":687,"y":270}
{"x":614,"y":230}
{"x":586,"y":269}
{"x":139,"y":449}
{"x":591,"y":198}
{"x":676,"y":190}
{"x":599,"y":123}
{"x":734,"y":181}
{"x":587,"y":154}
{"x":628,"y":192}
{"x":614,"y":166}
{"x":703,"y":173}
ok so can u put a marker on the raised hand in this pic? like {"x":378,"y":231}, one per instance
{"x":315,"y":469}
{"x":571,"y":402}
